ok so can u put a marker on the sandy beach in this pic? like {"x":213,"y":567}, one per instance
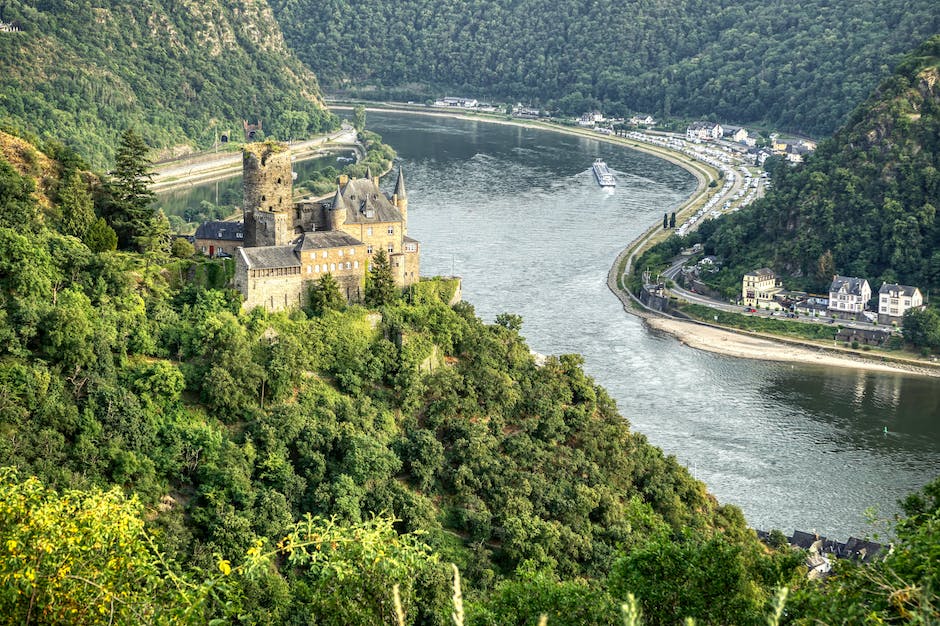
{"x":744,"y":346}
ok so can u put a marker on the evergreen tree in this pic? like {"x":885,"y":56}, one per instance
{"x":325,"y":295}
{"x":665,"y":221}
{"x":100,"y":237}
{"x":75,"y":206}
{"x":130,"y":207}
{"x":672,"y":220}
{"x":380,"y":285}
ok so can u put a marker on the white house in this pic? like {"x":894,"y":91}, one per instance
{"x":894,"y":300}
{"x":704,"y":130}
{"x":848,"y":296}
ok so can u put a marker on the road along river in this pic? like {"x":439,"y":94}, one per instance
{"x":516,"y":212}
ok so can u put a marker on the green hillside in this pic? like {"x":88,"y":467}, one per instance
{"x":138,"y":371}
{"x":181,"y":73}
{"x":797,"y":66}
{"x":863,"y":205}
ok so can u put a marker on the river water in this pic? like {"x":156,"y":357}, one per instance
{"x":517,"y":214}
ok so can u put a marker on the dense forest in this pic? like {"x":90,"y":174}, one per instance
{"x":796,"y":66}
{"x":180,"y":72}
{"x":170,"y":458}
{"x":863,"y":204}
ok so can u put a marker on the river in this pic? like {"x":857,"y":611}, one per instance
{"x":516,"y":212}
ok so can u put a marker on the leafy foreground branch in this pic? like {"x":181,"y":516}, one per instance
{"x":86,"y":557}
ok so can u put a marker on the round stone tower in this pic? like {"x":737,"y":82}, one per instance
{"x":267,"y":180}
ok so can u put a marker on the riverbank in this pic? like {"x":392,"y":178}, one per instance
{"x":743,"y":346}
{"x":209,"y":167}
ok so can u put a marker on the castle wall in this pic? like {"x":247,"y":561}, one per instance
{"x":375,"y":234}
{"x":272,"y":229}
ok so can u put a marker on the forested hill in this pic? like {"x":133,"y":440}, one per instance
{"x":800,"y":66}
{"x":179,"y":71}
{"x":864,"y":204}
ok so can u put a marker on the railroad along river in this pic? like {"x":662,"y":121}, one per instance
{"x":517,"y":213}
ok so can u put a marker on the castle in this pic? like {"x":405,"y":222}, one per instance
{"x":289,"y":246}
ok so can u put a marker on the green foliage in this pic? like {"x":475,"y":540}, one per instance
{"x":688,"y":59}
{"x":436,"y":289}
{"x":76,"y":558}
{"x":380,"y":284}
{"x":715,"y":581}
{"x":409,"y":436}
{"x":165,"y":69}
{"x":863,"y":204}
{"x":17,"y":208}
{"x":181,"y":248}
{"x":100,"y":237}
{"x":902,"y":588}
{"x":359,"y":118}
{"x":326,"y":296}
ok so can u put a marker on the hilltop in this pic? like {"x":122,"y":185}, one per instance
{"x":797,"y":66}
{"x":181,"y":73}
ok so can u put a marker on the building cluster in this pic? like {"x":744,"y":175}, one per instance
{"x":467,"y":104}
{"x":849,"y":298}
{"x":283,"y":247}
{"x":8,"y":28}
{"x":820,"y":550}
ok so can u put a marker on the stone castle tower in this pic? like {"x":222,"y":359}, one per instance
{"x":400,"y":200}
{"x":268,"y":186}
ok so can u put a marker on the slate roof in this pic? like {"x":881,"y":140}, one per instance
{"x":269,"y":257}
{"x":325,"y":239}
{"x":365,"y":203}
{"x":228,"y":231}
{"x":702,"y":125}
{"x":903,"y":290}
{"x":847,"y":284}
{"x":764,"y":271}
{"x":407,"y":239}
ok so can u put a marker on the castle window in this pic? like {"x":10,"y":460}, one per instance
{"x":324,"y":254}
{"x":391,"y":230}
{"x":369,"y":231}
{"x":278,"y":180}
{"x":356,"y":264}
{"x":352,"y":251}
{"x":391,"y":248}
{"x":341,"y":253}
{"x":264,"y":198}
{"x":309,"y":269}
{"x":348,"y":265}
{"x":332,"y":267}
{"x":368,"y":249}
{"x":316,"y":268}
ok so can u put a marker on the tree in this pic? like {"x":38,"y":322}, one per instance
{"x":182,"y":249}
{"x":359,"y":118}
{"x":380,"y":285}
{"x":325,"y":296}
{"x":100,"y":237}
{"x":76,"y":208}
{"x":130,"y":204}
{"x":17,"y":208}
{"x":77,"y":558}
{"x":672,"y":220}
{"x":665,"y":221}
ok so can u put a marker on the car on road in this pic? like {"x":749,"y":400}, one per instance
{"x":750,"y":309}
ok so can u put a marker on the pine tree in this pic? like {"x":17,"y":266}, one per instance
{"x":130,"y":208}
{"x":665,"y":221}
{"x":100,"y":237}
{"x":380,"y":285}
{"x":76,"y":207}
{"x":672,"y":220}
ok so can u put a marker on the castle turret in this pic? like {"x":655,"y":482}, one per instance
{"x":267,"y":181}
{"x":400,"y":200}
{"x":337,"y":211}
